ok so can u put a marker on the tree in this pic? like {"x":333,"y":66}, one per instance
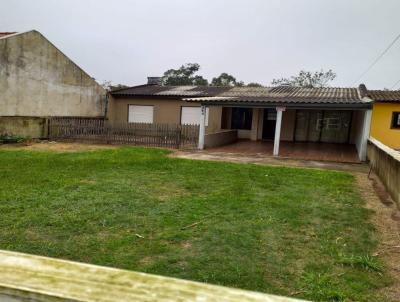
{"x":253,"y":84}
{"x":200,"y":81}
{"x":107,"y":85}
{"x":184,"y":75}
{"x":187,"y":75}
{"x":226,"y":79}
{"x":307,"y":79}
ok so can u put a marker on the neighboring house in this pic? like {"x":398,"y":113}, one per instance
{"x":291,"y":114}
{"x":385,"y":125}
{"x":38,"y":81}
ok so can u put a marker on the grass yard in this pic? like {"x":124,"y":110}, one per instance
{"x":292,"y":232}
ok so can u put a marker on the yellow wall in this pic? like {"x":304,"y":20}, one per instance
{"x":382,"y":122}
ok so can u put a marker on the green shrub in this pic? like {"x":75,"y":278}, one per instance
{"x":11,"y":139}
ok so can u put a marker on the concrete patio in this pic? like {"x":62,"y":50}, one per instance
{"x":342,"y":153}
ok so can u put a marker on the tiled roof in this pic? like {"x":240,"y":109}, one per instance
{"x":271,"y":92}
{"x":247,"y":94}
{"x":384,"y":95}
{"x":157,"y":90}
{"x":288,"y":95}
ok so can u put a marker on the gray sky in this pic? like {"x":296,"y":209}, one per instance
{"x":254,"y":40}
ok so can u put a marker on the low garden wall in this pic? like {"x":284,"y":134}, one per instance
{"x":386,"y":164}
{"x":224,"y":137}
{"x":25,"y":126}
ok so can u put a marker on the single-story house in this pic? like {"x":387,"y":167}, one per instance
{"x":318,"y":117}
{"x":385,"y":125}
{"x":37,"y":81}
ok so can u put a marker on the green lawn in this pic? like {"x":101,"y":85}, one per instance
{"x":285,"y":231}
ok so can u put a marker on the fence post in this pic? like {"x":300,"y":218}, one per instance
{"x":49,"y":130}
{"x":179,"y":133}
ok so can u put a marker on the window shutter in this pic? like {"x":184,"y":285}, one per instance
{"x":192,"y":115}
{"x":140,"y":114}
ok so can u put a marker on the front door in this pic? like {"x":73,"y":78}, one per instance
{"x":269,"y":124}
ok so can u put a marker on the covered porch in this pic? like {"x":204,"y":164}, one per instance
{"x":304,"y":129}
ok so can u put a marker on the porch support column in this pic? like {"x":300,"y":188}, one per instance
{"x":202,"y":129}
{"x":362,"y":153}
{"x":278,"y":125}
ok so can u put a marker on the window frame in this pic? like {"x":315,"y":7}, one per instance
{"x":395,"y":125}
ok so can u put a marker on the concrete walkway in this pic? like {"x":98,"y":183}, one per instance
{"x":269,"y":160}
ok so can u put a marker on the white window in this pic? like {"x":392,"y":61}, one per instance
{"x":192,"y":115}
{"x":140,"y":114}
{"x":328,"y":123}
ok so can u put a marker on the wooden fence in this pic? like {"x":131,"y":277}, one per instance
{"x":102,"y":131}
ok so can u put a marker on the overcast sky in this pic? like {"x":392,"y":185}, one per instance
{"x":254,"y":40}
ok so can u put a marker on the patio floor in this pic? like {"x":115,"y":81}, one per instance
{"x":344,"y":153}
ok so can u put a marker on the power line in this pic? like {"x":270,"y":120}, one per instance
{"x":397,"y":83}
{"x":377,"y":59}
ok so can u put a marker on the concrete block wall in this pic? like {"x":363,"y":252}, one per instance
{"x":221,"y":138}
{"x":26,"y":126}
{"x":38,"y":80}
{"x":386,"y":164}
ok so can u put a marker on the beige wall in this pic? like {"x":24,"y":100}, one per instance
{"x":288,"y":124}
{"x":166,"y":111}
{"x":37,"y":79}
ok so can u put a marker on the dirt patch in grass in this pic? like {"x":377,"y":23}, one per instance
{"x":266,"y":160}
{"x":186,"y":245}
{"x":88,"y":181}
{"x":148,"y":261}
{"x":385,"y":220}
{"x":56,"y":147}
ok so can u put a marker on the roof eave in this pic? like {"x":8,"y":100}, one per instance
{"x":162,"y":96}
{"x":338,"y":106}
{"x":17,"y":34}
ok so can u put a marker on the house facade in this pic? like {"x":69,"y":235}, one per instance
{"x":38,"y":81}
{"x":336,"y":116}
{"x":385,"y":125}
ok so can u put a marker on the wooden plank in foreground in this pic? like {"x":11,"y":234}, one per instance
{"x":26,"y":277}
